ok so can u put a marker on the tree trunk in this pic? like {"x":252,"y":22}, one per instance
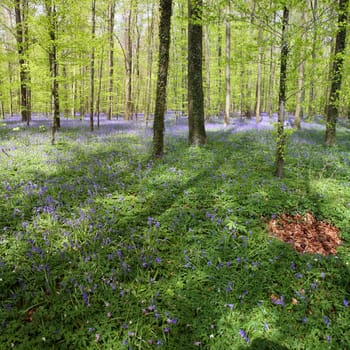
{"x":53,"y":62}
{"x":197,"y":135}
{"x":98,"y":101}
{"x":163,"y":63}
{"x":111,"y":16}
{"x":21,"y":15}
{"x":74,"y":94}
{"x":272,"y":68}
{"x":281,"y":137}
{"x":312,"y":93}
{"x":207,"y":71}
{"x":258,"y":79}
{"x":336,"y":73}
{"x":128,"y":67}
{"x":150,"y":19}
{"x":301,"y":69}
{"x":92,"y":66}
{"x":137,"y":70}
{"x":228,"y":66}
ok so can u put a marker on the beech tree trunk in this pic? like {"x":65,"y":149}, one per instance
{"x":22,"y":37}
{"x":149,"y":64}
{"x":92,"y":64}
{"x":301,"y":69}
{"x":228,"y":66}
{"x":163,"y":63}
{"x":281,"y":137}
{"x":312,"y":92}
{"x":197,"y":135}
{"x":128,"y":66}
{"x":207,"y":71}
{"x":258,"y":78}
{"x":53,"y":62}
{"x":111,"y":16}
{"x":336,"y":73}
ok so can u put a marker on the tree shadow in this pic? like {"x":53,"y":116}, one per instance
{"x":203,"y":290}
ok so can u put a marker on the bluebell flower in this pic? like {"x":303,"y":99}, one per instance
{"x":243,"y":334}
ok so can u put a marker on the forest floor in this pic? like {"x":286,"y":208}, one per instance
{"x":103,"y":248}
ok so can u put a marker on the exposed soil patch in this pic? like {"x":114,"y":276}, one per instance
{"x":305,"y":233}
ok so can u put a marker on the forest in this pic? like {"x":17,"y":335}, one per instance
{"x":174,"y":174}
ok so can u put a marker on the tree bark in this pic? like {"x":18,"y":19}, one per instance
{"x":197,"y":135}
{"x":207,"y":71}
{"x":163,"y":63}
{"x":111,"y":16}
{"x":301,"y":69}
{"x":21,"y":15}
{"x":312,"y":92}
{"x":336,"y":73}
{"x":150,"y":19}
{"x":281,"y":137}
{"x":258,"y":78}
{"x":92,"y":64}
{"x":128,"y":66}
{"x":228,"y":66}
{"x":53,"y":62}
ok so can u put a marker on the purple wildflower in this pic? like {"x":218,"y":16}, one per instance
{"x":327,"y":321}
{"x":243,"y":334}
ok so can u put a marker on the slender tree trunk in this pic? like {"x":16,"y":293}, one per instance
{"x":228,"y":66}
{"x":149,"y":64}
{"x":10,"y":89}
{"x":55,"y":106}
{"x":98,"y":102}
{"x":337,"y":73}
{"x":299,"y":96}
{"x":272,"y":68}
{"x":197,"y":135}
{"x":2,"y":110}
{"x":164,"y":45}
{"x":281,"y":137}
{"x":128,"y":66}
{"x":21,"y":14}
{"x":207,"y":71}
{"x":312,"y":92}
{"x":74,"y":94}
{"x":219,"y":75}
{"x":258,"y":78}
{"x":92,"y":66}
{"x":137,"y":70}
{"x":111,"y":16}
{"x":301,"y":69}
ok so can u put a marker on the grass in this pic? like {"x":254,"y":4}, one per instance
{"x":102,"y":248}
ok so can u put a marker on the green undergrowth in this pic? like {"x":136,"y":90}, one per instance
{"x":103,"y":248}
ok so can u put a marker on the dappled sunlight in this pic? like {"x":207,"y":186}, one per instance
{"x":103,"y":247}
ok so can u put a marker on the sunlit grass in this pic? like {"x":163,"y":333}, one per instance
{"x":103,"y":248}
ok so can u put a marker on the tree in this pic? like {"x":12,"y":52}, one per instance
{"x":53,"y":63}
{"x":228,"y":65}
{"x":336,"y":73}
{"x":163,"y":62}
{"x":128,"y":64}
{"x":150,"y":19}
{"x":197,"y":135}
{"x":281,"y":137}
{"x":92,"y":64}
{"x":111,"y":15}
{"x":22,"y":37}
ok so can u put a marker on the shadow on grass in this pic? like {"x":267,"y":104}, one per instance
{"x":100,"y":283}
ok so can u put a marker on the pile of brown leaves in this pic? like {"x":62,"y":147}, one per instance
{"x":305,"y":233}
